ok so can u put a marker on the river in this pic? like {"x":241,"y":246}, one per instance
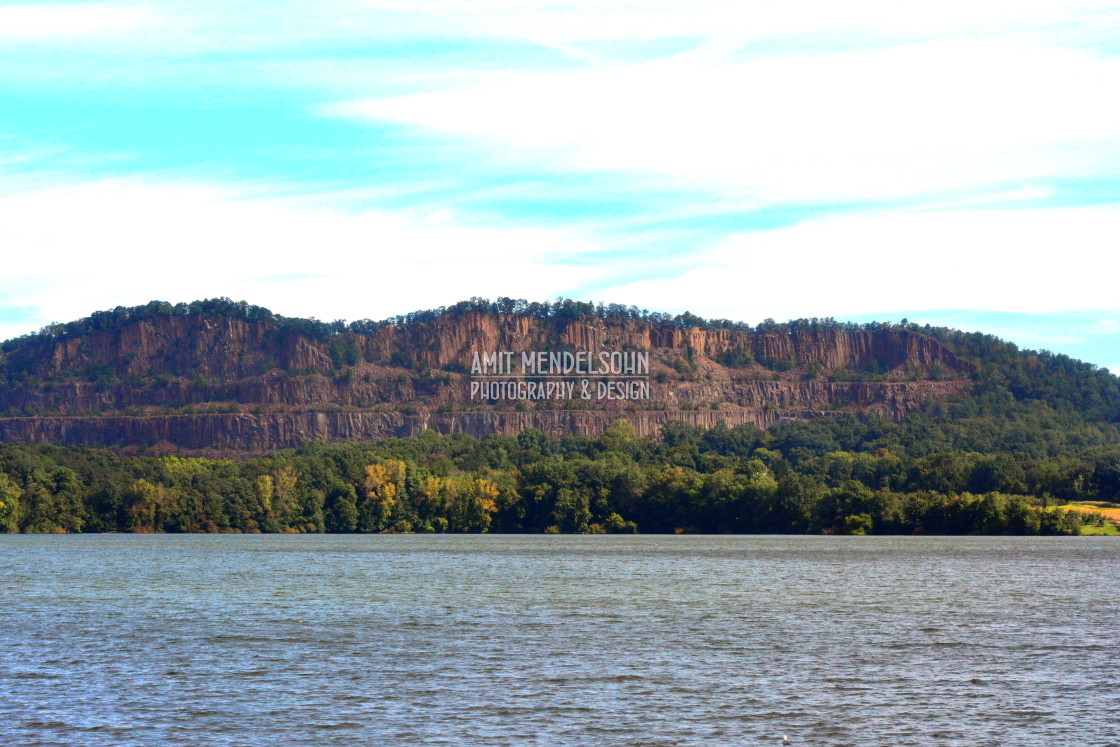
{"x":557,"y":640}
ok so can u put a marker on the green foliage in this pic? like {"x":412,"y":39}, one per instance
{"x":344,"y":350}
{"x":1036,"y":431}
{"x":839,"y":475}
{"x":9,"y":505}
{"x":857,"y":524}
{"x":735,"y":358}
{"x":615,"y":524}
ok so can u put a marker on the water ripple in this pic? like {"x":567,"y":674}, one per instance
{"x":201,"y":640}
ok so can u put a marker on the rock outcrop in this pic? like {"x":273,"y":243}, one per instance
{"x":207,"y":383}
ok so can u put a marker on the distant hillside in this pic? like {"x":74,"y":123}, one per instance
{"x":220,"y":376}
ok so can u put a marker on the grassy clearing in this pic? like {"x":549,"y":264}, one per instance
{"x":1097,"y":517}
{"x":1108,"y":530}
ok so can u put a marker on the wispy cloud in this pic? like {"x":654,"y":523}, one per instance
{"x":117,"y":242}
{"x":893,"y":123}
{"x":70,"y":21}
{"x":1026,"y":261}
{"x":739,"y":158}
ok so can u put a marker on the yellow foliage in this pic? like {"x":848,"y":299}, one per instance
{"x":284,"y":482}
{"x":380,"y":475}
{"x":432,"y":494}
{"x":150,"y":505}
{"x":486,"y":493}
{"x":183,"y":470}
{"x":384,"y":483}
{"x":264,"y":488}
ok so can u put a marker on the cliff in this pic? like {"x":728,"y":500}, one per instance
{"x":205,"y":382}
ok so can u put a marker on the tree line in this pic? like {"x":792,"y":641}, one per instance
{"x":839,"y":475}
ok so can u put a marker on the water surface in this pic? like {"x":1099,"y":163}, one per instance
{"x":431,"y":640}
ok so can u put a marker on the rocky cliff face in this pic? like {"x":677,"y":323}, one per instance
{"x":202,"y":383}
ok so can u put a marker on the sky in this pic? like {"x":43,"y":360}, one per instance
{"x":955,"y":163}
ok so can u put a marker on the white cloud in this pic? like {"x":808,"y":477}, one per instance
{"x":1016,"y":260}
{"x":947,"y":103}
{"x":585,"y":30}
{"x":61,"y":21}
{"x":899,"y":122}
{"x":73,"y":249}
{"x":569,"y":21}
{"x":1108,"y":326}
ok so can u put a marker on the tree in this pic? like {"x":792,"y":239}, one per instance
{"x":343,"y":516}
{"x":383,"y":485}
{"x":618,"y":436}
{"x":150,"y":507}
{"x":9,"y":505}
{"x":475,"y":506}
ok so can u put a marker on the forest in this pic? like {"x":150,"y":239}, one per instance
{"x":1034,"y":448}
{"x":838,"y":475}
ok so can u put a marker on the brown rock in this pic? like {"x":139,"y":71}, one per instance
{"x":159,"y":381}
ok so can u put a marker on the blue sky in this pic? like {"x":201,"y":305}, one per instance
{"x":957,"y":164}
